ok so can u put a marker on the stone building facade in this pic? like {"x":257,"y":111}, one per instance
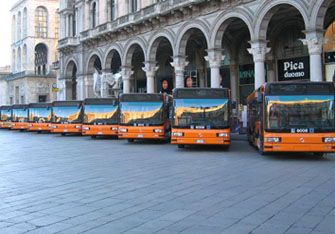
{"x":35,"y":34}
{"x":219,"y":43}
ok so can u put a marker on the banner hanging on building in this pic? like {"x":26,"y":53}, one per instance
{"x":294,"y":69}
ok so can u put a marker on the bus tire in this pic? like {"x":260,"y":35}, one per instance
{"x":130,"y":140}
{"x":63,"y":134}
{"x":319,"y":155}
{"x":39,"y":132}
{"x":181,"y":146}
{"x":93,"y":137}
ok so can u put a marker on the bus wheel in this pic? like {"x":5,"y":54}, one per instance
{"x":130,"y":140}
{"x":63,"y":134}
{"x":181,"y":146}
{"x":39,"y":132}
{"x":319,"y":155}
{"x":93,"y":137}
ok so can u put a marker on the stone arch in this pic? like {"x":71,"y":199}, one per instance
{"x":185,"y":32}
{"x":130,"y":47}
{"x":90,"y":62}
{"x":223,"y":21}
{"x":115,"y":48}
{"x":71,"y":71}
{"x":154,"y":43}
{"x":319,"y":11}
{"x":268,"y":9}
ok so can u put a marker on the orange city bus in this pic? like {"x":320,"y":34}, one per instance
{"x":67,"y":117}
{"x":20,"y":114}
{"x":40,"y":115}
{"x":144,"y":116}
{"x":292,"y":117}
{"x":101,"y":117}
{"x":201,"y":116}
{"x":5,"y":117}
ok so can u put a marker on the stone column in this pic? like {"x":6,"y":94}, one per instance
{"x":258,"y":50}
{"x":233,"y":79}
{"x":179,"y":63}
{"x":150,"y":69}
{"x":271,"y":74}
{"x":215,"y":59}
{"x":80,"y":87}
{"x":314,"y":41}
{"x":126,"y":76}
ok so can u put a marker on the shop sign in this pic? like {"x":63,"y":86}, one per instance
{"x":294,"y":69}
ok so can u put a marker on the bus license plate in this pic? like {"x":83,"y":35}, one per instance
{"x":200,"y":141}
{"x":140,"y":135}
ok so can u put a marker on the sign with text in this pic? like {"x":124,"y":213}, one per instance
{"x":294,"y":69}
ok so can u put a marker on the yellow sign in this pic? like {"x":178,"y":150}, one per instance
{"x":55,"y":90}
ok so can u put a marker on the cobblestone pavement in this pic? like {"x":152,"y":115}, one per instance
{"x":51,"y":184}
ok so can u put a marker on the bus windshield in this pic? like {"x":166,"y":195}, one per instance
{"x":101,"y":114}
{"x":142,"y":113}
{"x":310,"y":112}
{"x":5,"y":115}
{"x":67,"y":114}
{"x":40,"y":115}
{"x":20,"y":115}
{"x":201,"y":113}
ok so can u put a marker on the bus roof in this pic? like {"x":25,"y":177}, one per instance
{"x":6,"y":107}
{"x":141,"y":97}
{"x":40,"y":105}
{"x":300,"y":88}
{"x":21,"y":106}
{"x":101,"y":101}
{"x":208,"y":93}
{"x":67,"y":103}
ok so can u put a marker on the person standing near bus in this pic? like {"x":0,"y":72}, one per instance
{"x":166,"y":87}
{"x":189,"y":82}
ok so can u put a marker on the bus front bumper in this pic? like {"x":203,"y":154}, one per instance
{"x":154,"y":132}
{"x":66,"y":128}
{"x":39,"y":127}
{"x":309,"y":142}
{"x":100,"y":130}
{"x":5,"y":125}
{"x":19,"y":126}
{"x":200,"y":137}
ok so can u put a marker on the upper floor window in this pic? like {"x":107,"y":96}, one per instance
{"x":25,"y":22}
{"x":94,"y":15}
{"x":41,"y":22}
{"x":74,"y":22}
{"x":41,"y":59}
{"x":13,"y":28}
{"x":113,"y":9}
{"x":19,"y":20}
{"x":133,"y":6}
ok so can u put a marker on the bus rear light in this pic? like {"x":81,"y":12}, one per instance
{"x":158,"y":130}
{"x":178,"y":134}
{"x":273,"y":139}
{"x":123,"y":130}
{"x":329,"y":139}
{"x":114,"y":128}
{"x":222,"y":134}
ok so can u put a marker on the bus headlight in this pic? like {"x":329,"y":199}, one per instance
{"x":78,"y":127}
{"x":329,"y":139}
{"x":114,"y":128}
{"x":158,"y":130}
{"x":177,"y":134}
{"x":123,"y":130}
{"x":30,"y":125}
{"x":86,"y":128}
{"x":222,"y":134}
{"x":53,"y":126}
{"x":273,"y":139}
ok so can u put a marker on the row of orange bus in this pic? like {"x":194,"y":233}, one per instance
{"x":282,"y":117}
